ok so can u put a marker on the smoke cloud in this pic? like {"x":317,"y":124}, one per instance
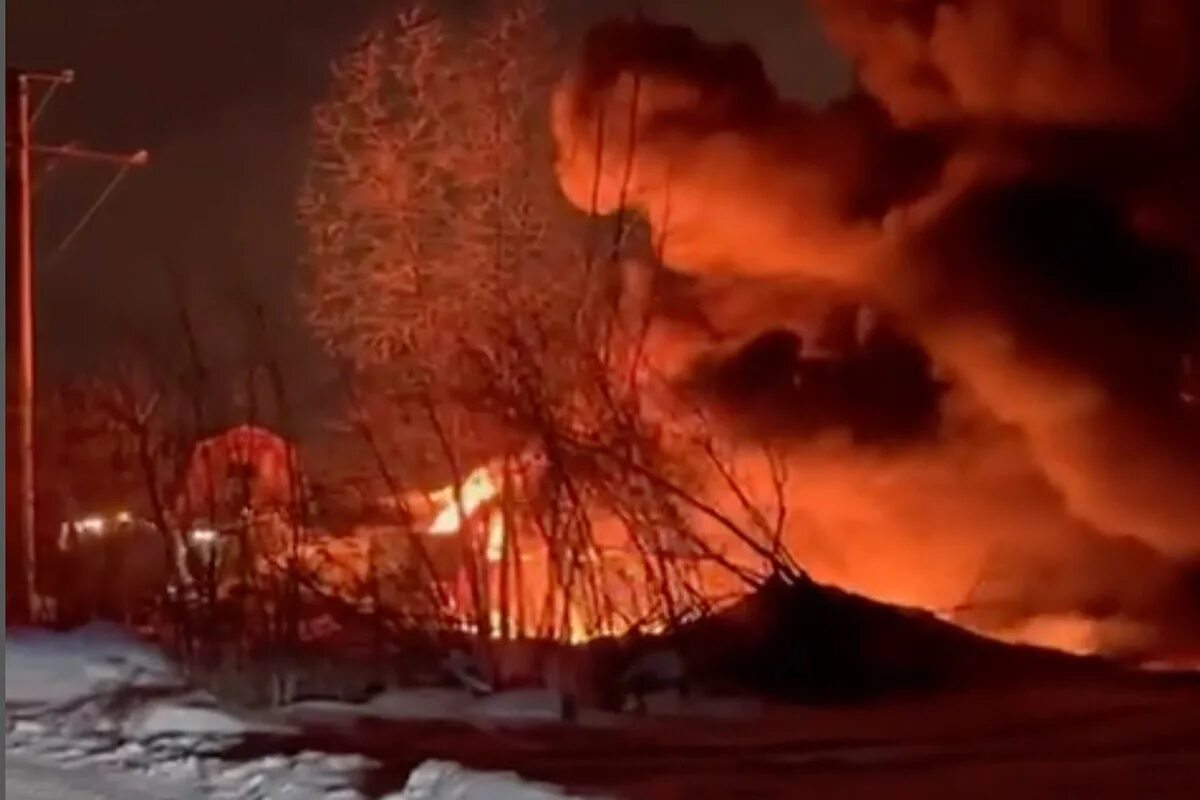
{"x":1020,"y":61}
{"x":1007,"y":193}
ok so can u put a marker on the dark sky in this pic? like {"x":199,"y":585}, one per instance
{"x":219,"y":91}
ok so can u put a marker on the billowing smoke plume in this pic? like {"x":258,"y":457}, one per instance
{"x":1021,"y":61}
{"x":1011,"y":192}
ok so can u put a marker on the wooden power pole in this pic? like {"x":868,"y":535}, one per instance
{"x":21,"y":499}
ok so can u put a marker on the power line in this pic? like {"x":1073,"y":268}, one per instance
{"x":20,"y":453}
{"x":112,"y":184}
{"x":37,"y":112}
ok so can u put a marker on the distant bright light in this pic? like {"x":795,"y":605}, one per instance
{"x":123,"y":517}
{"x":91,"y":524}
{"x":203,"y":536}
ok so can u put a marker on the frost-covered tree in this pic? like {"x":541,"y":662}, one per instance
{"x":435,"y":226}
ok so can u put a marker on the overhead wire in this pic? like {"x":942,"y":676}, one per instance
{"x":41,"y":106}
{"x":83,"y":220}
{"x":95,"y":206}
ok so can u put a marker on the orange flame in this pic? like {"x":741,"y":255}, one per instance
{"x":455,"y":508}
{"x":478,"y":488}
{"x":495,"y":538}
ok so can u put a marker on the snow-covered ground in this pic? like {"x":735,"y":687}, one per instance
{"x":96,"y":711}
{"x":445,"y":780}
{"x":512,"y":708}
{"x":95,"y":714}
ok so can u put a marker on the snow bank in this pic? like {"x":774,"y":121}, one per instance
{"x":529,"y":705}
{"x":49,"y":668}
{"x":305,"y":776}
{"x":194,"y":715}
{"x":508,"y":708}
{"x":178,"y":720}
{"x":32,"y":780}
{"x":98,"y":708}
{"x":176,"y":752}
{"x":428,"y":704}
{"x":132,"y":772}
{"x":418,"y":704}
{"x":326,"y":713}
{"x":445,"y":780}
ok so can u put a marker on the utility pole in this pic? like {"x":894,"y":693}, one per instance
{"x":21,"y":505}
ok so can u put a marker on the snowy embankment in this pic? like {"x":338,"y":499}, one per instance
{"x":512,"y":708}
{"x":653,"y":687}
{"x":97,"y":713}
{"x":445,"y":780}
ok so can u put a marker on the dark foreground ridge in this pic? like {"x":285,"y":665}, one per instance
{"x":802,"y":641}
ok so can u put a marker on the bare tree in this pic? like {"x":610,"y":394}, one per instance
{"x":448,"y":272}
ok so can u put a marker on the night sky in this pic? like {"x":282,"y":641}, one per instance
{"x":219,"y":92}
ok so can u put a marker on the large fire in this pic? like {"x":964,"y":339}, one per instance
{"x":1014,"y":446}
{"x":1057,"y":473}
{"x":522,"y":580}
{"x":508,"y":577}
{"x":469,"y":509}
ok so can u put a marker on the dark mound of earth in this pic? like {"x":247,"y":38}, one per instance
{"x":798,"y":640}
